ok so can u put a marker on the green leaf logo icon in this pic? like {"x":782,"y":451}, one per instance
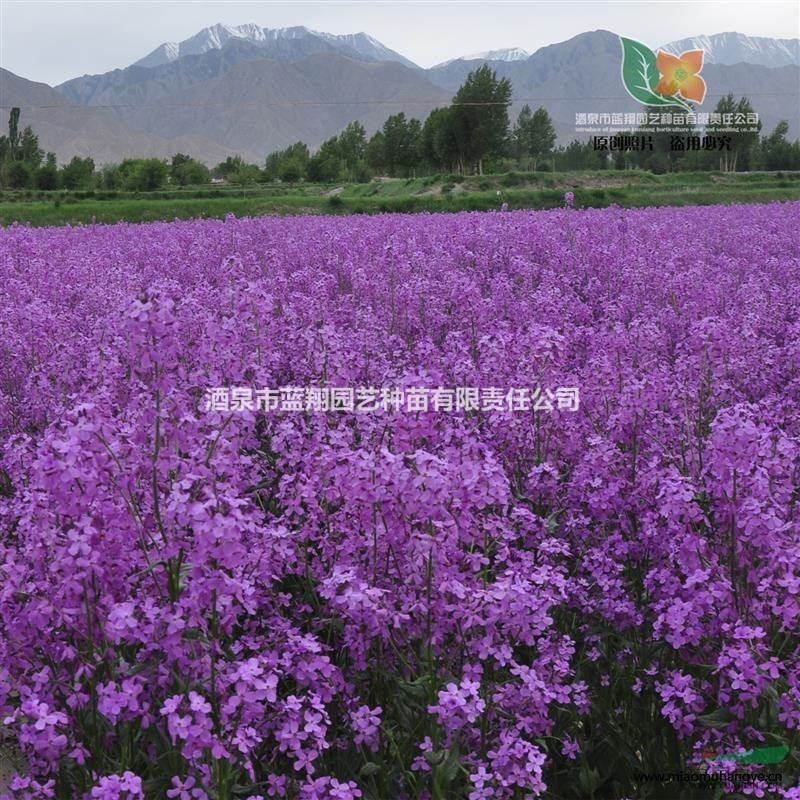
{"x":640,"y":75}
{"x":763,"y":755}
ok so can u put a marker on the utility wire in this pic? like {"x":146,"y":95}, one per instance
{"x":302,"y":103}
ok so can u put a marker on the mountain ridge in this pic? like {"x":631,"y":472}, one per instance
{"x":734,"y":48}
{"x":730,"y":47}
{"x":249,"y":98}
{"x":215,"y":37}
{"x":503,"y":54}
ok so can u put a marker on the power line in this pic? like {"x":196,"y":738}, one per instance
{"x":301,"y":103}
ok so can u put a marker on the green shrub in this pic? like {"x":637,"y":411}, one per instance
{"x":335,"y":202}
{"x":512,"y":179}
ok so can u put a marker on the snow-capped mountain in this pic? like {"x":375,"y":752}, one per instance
{"x":736,"y":48}
{"x":213,"y":38}
{"x":366,"y":46}
{"x":249,"y":90}
{"x":503,"y":54}
{"x":217,"y":36}
{"x":720,"y":48}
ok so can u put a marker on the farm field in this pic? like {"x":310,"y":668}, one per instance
{"x":572,"y":572}
{"x":453,"y":193}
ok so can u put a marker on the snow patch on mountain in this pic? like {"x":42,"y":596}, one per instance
{"x":503,"y":54}
{"x":217,"y":36}
{"x":736,"y":48}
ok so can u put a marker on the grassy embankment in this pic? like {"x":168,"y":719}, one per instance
{"x":439,"y":193}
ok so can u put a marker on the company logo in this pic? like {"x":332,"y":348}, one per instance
{"x":662,"y":79}
{"x":763,"y":755}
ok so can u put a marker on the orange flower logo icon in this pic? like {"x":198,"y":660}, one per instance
{"x":680,"y":75}
{"x":661,"y":79}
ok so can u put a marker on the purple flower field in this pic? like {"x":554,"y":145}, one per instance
{"x":481,"y":603}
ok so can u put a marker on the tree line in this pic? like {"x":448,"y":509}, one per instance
{"x":462,"y":138}
{"x":475,"y":132}
{"x":470,"y":136}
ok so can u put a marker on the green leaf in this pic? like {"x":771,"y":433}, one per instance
{"x":417,"y":687}
{"x":369,"y":769}
{"x":720,"y":719}
{"x":764,"y":755}
{"x":640,"y":75}
{"x":435,"y":757}
{"x":588,"y":779}
{"x":449,"y":770}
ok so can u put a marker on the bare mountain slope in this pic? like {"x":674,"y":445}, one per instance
{"x":69,"y":129}
{"x":250,"y":90}
{"x":582,"y":74}
{"x":257,"y":105}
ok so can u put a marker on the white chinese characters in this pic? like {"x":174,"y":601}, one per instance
{"x":413,"y":399}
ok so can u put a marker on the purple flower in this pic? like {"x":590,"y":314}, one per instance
{"x":259,"y":597}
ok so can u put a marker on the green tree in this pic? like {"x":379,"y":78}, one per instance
{"x":411,"y":154}
{"x":272,"y":165}
{"x":110,"y":177}
{"x":326,"y":165}
{"x":401,"y":138}
{"x":352,"y":146}
{"x":291,"y":170}
{"x":78,"y":173}
{"x":188,"y":171}
{"x":438,"y":145}
{"x":293,"y":162}
{"x":247,"y":175}
{"x":743,"y":144}
{"x":297,"y":152}
{"x":13,"y":132}
{"x":534,"y":135}
{"x":47,"y":177}
{"x":179,"y":161}
{"x":19,"y":175}
{"x":143,"y":174}
{"x":152,"y":174}
{"x":777,"y":152}
{"x":664,"y":156}
{"x":229,"y":166}
{"x":579,"y":155}
{"x":375,"y":152}
{"x":480,"y":117}
{"x":28,"y":149}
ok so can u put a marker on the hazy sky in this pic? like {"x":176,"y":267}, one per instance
{"x":53,"y":40}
